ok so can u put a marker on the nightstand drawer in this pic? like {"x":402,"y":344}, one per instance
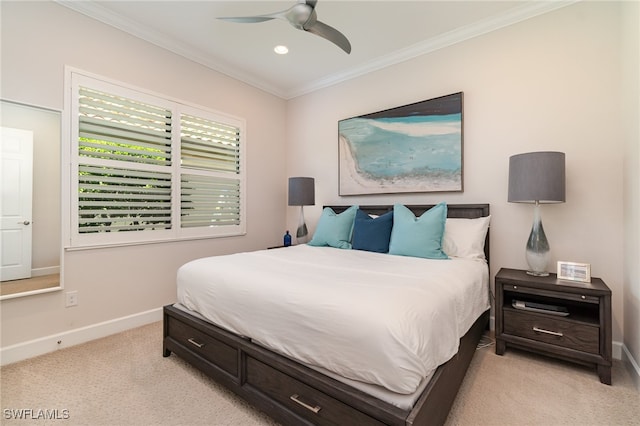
{"x":555,"y":331}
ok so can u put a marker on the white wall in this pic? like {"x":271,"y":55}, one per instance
{"x":548,"y":83}
{"x":630,"y":33}
{"x":38,"y":40}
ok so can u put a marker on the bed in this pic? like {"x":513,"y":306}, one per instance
{"x":396,"y":378}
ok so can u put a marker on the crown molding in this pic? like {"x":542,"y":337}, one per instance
{"x":96,"y":11}
{"x":450,"y":38}
{"x":514,"y":16}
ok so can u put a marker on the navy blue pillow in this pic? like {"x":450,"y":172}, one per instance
{"x":372,"y":234}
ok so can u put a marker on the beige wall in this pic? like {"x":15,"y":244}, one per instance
{"x":38,"y":40}
{"x":630,"y":33}
{"x":556,"y":82}
{"x":548,"y":83}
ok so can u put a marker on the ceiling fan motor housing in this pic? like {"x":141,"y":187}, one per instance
{"x":299,"y":15}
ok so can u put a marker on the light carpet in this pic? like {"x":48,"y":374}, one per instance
{"x":124,"y":380}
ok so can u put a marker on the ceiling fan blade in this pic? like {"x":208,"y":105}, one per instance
{"x":257,"y":18}
{"x":336,"y":37}
{"x":302,"y":16}
{"x":248,"y":19}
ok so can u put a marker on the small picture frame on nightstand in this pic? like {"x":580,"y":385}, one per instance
{"x":574,"y":271}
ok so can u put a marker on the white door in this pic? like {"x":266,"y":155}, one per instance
{"x":16,"y":164}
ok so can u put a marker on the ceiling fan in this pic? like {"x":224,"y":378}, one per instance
{"x":301,"y":15}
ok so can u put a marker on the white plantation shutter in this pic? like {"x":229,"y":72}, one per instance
{"x":209,"y":201}
{"x":211,"y":197}
{"x":120,"y":129}
{"x":127,"y":183}
{"x":207,"y":145}
{"x":117,"y":130}
{"x":113,"y":200}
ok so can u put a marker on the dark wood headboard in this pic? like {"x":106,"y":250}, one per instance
{"x":465,"y":211}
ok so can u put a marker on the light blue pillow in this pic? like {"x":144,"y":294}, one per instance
{"x":418,"y":237}
{"x":334,"y":230}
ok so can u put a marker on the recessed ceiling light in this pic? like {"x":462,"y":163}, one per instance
{"x":281,"y":50}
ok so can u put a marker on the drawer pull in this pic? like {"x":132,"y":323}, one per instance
{"x":295,"y":397}
{"x":193,"y":342}
{"x":542,"y":330}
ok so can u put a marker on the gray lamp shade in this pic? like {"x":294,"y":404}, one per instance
{"x":302,"y":191}
{"x":537,"y":176}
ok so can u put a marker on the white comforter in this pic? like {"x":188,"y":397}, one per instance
{"x":377,"y":318}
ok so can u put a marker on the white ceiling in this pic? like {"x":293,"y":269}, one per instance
{"x":381,"y":33}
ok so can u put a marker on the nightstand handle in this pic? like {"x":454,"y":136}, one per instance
{"x":553,"y":333}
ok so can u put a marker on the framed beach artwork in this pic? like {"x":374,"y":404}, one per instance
{"x":412,"y":148}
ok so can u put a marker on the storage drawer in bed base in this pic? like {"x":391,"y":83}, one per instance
{"x":294,"y":394}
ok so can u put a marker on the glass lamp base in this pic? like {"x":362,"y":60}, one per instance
{"x":537,"y":250}
{"x":301,"y":232}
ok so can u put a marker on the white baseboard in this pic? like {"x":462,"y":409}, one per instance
{"x":43,"y":345}
{"x":632,"y":365}
{"x":50,"y":270}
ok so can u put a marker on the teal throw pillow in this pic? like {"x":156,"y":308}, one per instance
{"x":418,"y":237}
{"x":334,"y":230}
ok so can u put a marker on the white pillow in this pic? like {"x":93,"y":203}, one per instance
{"x":465,"y":237}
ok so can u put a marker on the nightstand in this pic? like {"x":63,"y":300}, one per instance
{"x":583,"y":336}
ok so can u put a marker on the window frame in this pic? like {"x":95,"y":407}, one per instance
{"x":73,"y":239}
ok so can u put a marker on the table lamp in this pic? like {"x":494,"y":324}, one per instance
{"x":537,"y":178}
{"x":301,"y":193}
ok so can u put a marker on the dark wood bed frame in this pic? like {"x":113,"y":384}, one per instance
{"x":294,"y":394}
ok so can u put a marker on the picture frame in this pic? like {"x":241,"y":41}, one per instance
{"x":412,"y":148}
{"x":574,"y":271}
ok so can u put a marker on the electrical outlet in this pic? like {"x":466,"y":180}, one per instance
{"x":72,"y":298}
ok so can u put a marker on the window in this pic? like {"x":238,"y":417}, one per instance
{"x":145,"y":168}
